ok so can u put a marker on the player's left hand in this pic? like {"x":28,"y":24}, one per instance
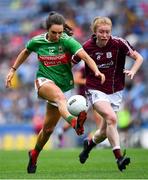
{"x":129,"y":73}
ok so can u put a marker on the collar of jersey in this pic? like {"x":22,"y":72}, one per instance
{"x":47,"y":39}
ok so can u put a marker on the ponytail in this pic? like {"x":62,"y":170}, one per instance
{"x":68,"y":30}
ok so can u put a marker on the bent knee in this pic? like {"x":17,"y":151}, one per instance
{"x":111,"y":119}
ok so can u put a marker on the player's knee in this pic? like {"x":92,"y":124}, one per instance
{"x":111,"y":119}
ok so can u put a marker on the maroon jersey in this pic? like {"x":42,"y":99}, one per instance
{"x":110,"y":60}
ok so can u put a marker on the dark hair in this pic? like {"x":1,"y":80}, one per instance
{"x":56,"y":18}
{"x":68,"y":30}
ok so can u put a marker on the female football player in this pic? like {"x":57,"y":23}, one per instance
{"x":54,"y":77}
{"x":109,"y":53}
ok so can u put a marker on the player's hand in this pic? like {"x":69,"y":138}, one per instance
{"x":129,"y":73}
{"x":100,"y":75}
{"x":9,"y":78}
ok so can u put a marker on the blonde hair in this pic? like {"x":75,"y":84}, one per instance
{"x":100,"y":20}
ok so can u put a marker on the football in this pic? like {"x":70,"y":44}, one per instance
{"x":77,"y":104}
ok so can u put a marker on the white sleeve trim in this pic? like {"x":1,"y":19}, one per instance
{"x":78,"y":51}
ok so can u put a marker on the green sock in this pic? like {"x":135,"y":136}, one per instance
{"x":69,"y":119}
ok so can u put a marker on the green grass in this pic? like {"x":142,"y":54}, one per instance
{"x":64,"y":164}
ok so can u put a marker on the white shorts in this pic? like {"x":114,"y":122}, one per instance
{"x":40,"y":81}
{"x":114,"y":99}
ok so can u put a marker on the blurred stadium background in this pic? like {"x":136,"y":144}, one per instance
{"x":21,"y":111}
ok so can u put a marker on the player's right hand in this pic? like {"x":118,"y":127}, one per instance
{"x":9,"y":78}
{"x":100,"y":75}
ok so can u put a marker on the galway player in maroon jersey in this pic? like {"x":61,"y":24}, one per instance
{"x":109,"y":53}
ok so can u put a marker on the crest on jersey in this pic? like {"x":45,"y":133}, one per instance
{"x":108,"y":55}
{"x":60,"y":49}
{"x":98,"y":55}
{"x":51,"y":50}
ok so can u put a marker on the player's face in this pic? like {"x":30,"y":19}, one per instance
{"x":55,"y":32}
{"x":103,"y":33}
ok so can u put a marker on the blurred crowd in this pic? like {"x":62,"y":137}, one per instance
{"x":22,"y":19}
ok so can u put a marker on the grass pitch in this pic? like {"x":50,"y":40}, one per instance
{"x":64,"y":164}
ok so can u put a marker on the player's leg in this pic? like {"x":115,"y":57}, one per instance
{"x":112,"y":134}
{"x":51,"y":118}
{"x":103,"y":106}
{"x":53,"y":93}
{"x":97,"y":118}
{"x":89,"y":144}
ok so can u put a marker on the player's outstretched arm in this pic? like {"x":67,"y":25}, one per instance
{"x":91,"y":63}
{"x":23,"y":55}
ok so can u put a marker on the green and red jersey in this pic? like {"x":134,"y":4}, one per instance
{"x":55,"y":59}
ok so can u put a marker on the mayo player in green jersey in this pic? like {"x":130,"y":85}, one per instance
{"x":54,"y":78}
